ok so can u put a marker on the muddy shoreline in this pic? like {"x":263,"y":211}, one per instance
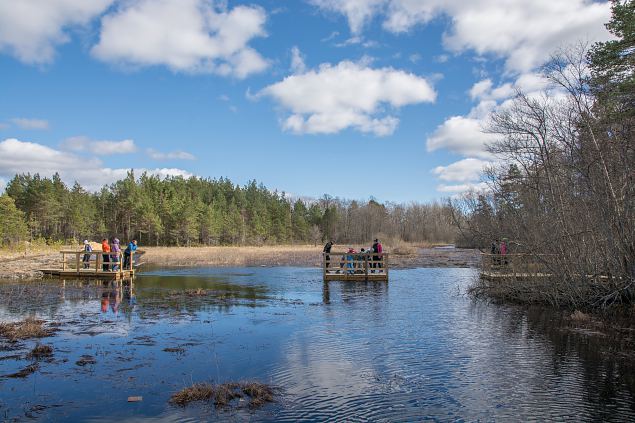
{"x":28,"y":265}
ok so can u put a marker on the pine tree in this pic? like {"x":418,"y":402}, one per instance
{"x":13,"y":227}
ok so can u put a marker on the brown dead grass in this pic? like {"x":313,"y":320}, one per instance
{"x":30,"y":369}
{"x":40,"y":351}
{"x":222,"y":395}
{"x":196,"y":392}
{"x":580,"y":317}
{"x":26,"y":329}
{"x":282,"y":255}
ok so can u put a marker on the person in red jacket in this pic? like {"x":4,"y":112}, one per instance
{"x":105,"y":248}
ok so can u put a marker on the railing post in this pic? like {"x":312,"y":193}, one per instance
{"x":97,"y":262}
{"x":323,"y":265}
{"x":366,"y":265}
{"x":386,"y":265}
{"x":77,"y":262}
{"x":63,"y":261}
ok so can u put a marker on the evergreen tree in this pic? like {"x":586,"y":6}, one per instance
{"x":13,"y":227}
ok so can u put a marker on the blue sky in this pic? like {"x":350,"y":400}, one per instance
{"x":382,"y":98}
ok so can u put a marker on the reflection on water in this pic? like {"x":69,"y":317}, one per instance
{"x":411,"y":349}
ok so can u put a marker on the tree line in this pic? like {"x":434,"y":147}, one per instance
{"x":563,"y":191}
{"x":197,"y":211}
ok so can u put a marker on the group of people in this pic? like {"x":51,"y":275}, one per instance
{"x":353,"y":260}
{"x":499,"y":248}
{"x":111,"y":252}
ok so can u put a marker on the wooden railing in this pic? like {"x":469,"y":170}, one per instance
{"x":355,"y":263}
{"x":514,"y":263}
{"x":89,"y":260}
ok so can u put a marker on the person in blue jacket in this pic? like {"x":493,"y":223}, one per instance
{"x":131,"y":248}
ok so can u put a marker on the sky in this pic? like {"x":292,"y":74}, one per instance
{"x":357,"y":99}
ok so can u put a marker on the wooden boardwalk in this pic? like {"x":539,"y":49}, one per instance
{"x":91,"y":265}
{"x":89,"y":274}
{"x":343,"y":266}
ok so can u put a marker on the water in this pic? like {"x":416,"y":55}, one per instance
{"x":413,"y":349}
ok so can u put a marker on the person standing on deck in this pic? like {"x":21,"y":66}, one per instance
{"x":86,"y":259}
{"x":131,"y":248}
{"x":503,"y":250}
{"x":115,"y":257}
{"x":327,"y":251}
{"x":377,"y":249}
{"x":105,"y":248}
{"x":349,"y":260}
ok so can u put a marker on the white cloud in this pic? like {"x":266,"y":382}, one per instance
{"x":462,"y":135}
{"x":463,"y":188}
{"x":172,"y":155}
{"x":347,"y":95}
{"x":30,"y":30}
{"x":82,"y":143}
{"x":297,"y":61}
{"x":524,"y":33}
{"x":184,"y":35}
{"x":358,"y":12}
{"x":465,"y":170}
{"x":22,"y":156}
{"x":28,"y":123}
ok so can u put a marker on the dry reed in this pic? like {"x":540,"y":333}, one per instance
{"x":26,"y":329}
{"x":40,"y":351}
{"x":222,"y":395}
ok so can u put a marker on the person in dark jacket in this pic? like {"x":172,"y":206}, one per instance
{"x":327,"y":251}
{"x":131,"y":248}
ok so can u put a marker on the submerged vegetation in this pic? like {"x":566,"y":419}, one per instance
{"x":222,"y":395}
{"x":26,"y":329}
{"x":563,"y":190}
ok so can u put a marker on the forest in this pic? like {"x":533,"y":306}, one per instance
{"x":195,"y":211}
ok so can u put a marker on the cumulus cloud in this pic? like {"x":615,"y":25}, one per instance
{"x":347,"y":95}
{"x":82,"y":143}
{"x":172,"y":155}
{"x":22,"y":156}
{"x":523,"y":33}
{"x":30,"y":30}
{"x":184,"y":35}
{"x":28,"y":123}
{"x":462,"y":188}
{"x":465,"y":170}
{"x":461,"y":135}
{"x":358,"y":12}
{"x":297,"y":61}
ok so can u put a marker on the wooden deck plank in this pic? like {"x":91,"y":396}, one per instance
{"x":88,"y":273}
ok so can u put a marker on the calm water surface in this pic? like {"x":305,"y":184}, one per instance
{"x":413,"y":349}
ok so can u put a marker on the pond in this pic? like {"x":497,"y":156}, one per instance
{"x":415,"y":348}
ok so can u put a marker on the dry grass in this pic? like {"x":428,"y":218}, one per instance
{"x":196,"y":392}
{"x":222,"y":395}
{"x":40,"y":351}
{"x":300,"y":255}
{"x":86,"y":360}
{"x":26,"y":329}
{"x":259,"y":393}
{"x":31,"y":368}
{"x":580,"y":317}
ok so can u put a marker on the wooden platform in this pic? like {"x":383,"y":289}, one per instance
{"x":344,"y":266}
{"x":89,"y":274}
{"x":335,"y":276}
{"x":90,"y":265}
